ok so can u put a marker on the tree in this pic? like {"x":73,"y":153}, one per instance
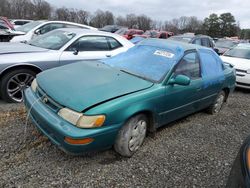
{"x":211,"y":26}
{"x":144,"y":22}
{"x":101,"y":18}
{"x":228,"y":25}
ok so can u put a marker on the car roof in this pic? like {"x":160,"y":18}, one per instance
{"x":163,"y":43}
{"x":244,"y":45}
{"x":80,"y":31}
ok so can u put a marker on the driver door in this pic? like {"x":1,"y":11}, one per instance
{"x":181,"y":100}
{"x":87,"y":48}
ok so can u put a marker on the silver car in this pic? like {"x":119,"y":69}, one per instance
{"x":20,"y":62}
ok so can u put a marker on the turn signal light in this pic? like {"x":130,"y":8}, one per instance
{"x":78,"y":141}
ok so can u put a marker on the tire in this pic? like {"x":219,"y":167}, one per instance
{"x":131,"y":135}
{"x":218,"y":103}
{"x":14,"y":82}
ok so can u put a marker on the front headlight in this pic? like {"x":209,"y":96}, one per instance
{"x":248,"y":71}
{"x":81,"y":120}
{"x":34,"y":85}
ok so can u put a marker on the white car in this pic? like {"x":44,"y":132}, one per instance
{"x":35,"y":28}
{"x":19,"y":22}
{"x":239,"y":57}
{"x":20,"y":62}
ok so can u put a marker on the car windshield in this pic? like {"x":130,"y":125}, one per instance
{"x":181,"y":38}
{"x":121,"y":31}
{"x":239,"y":52}
{"x":27,"y":27}
{"x":53,"y":40}
{"x":147,"y":62}
{"x":225,"y":43}
{"x":152,"y":34}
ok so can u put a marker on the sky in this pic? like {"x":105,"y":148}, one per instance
{"x":162,"y":10}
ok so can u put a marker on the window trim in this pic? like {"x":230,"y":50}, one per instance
{"x":67,"y":49}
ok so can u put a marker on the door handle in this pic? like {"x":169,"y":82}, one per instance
{"x":198,"y":89}
{"x":108,"y":55}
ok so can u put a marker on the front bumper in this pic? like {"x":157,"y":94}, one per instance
{"x":242,"y":80}
{"x":56,"y":129}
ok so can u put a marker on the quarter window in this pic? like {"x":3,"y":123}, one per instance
{"x":114,"y":44}
{"x":189,"y":66}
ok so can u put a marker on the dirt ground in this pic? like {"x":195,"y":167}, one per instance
{"x":197,"y":151}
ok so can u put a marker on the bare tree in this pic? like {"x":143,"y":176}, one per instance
{"x":101,"y":18}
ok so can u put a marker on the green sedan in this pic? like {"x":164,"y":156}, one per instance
{"x":95,"y":105}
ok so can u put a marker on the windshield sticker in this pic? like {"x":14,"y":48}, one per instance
{"x":164,"y":54}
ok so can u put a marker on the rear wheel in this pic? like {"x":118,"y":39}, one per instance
{"x":218,"y":103}
{"x":131,"y":135}
{"x":13,"y":84}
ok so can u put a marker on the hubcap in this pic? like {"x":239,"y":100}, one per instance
{"x":219,"y":103}
{"x":17,"y":84}
{"x":138,"y":135}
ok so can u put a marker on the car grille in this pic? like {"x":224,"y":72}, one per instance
{"x":241,"y":73}
{"x":53,"y":105}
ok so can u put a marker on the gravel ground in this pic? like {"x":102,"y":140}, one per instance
{"x":197,"y":151}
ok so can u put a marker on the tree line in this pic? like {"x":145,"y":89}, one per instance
{"x":214,"y":25}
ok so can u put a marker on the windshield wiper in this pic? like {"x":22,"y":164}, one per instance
{"x":142,"y":77}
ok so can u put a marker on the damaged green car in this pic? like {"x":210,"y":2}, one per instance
{"x":114,"y":102}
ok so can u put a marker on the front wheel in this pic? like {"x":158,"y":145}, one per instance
{"x":218,"y":103}
{"x":131,"y":135}
{"x":13,"y":83}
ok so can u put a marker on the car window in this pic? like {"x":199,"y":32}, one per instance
{"x":163,"y":36}
{"x":114,"y":44}
{"x":205,"y":42}
{"x":49,"y":27}
{"x":197,"y":41}
{"x":90,"y":43}
{"x":3,"y":27}
{"x":189,"y":66}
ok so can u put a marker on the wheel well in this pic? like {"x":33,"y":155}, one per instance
{"x":227,"y":91}
{"x":30,"y":67}
{"x":151,"y":128}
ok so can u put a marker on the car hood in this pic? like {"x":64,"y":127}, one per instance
{"x":10,"y":48}
{"x":238,"y":63}
{"x":80,"y":86}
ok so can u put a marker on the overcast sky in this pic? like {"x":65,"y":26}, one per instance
{"x":162,"y":10}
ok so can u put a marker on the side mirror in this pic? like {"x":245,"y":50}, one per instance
{"x":180,"y":80}
{"x":217,"y":51}
{"x":38,"y":32}
{"x":75,"y":51}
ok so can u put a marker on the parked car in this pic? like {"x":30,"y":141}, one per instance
{"x":156,"y":34}
{"x":240,"y":172}
{"x":5,"y":22}
{"x":201,"y":40}
{"x":111,"y":28}
{"x":19,"y":22}
{"x":6,"y":34}
{"x":33,"y":29}
{"x":20,"y":62}
{"x":150,"y":34}
{"x":225,"y":44}
{"x":129,"y":33}
{"x":114,"y":102}
{"x":239,"y":57}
